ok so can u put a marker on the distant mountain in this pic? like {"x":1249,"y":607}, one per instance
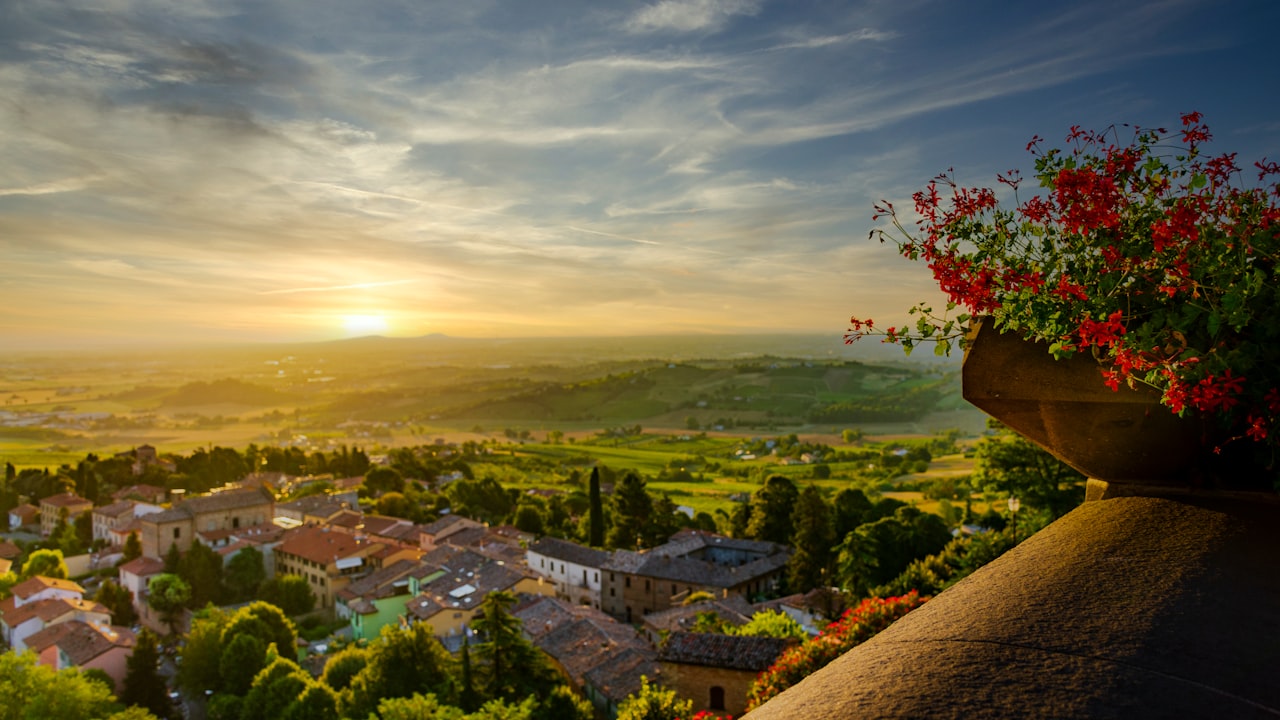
{"x":225,"y":391}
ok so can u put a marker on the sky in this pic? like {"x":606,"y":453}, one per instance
{"x":214,"y":171}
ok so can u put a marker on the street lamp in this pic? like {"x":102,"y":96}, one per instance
{"x":1014,"y":504}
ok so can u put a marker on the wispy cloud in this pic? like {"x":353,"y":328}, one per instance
{"x":689,"y":15}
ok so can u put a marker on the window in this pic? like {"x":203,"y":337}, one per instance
{"x":646,"y":585}
{"x":628,"y":582}
{"x":235,"y":522}
{"x":717,"y":698}
{"x":612,"y":593}
{"x":597,"y":577}
{"x":177,"y":533}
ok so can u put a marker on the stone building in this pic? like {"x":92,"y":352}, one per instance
{"x":226,"y":510}
{"x":716,"y":671}
{"x":634,"y":584}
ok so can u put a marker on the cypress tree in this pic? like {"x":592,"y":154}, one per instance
{"x":596,"y":528}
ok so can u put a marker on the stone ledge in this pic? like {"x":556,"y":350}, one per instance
{"x":1127,"y":607}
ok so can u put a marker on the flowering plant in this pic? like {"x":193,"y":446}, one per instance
{"x":1157,"y":260}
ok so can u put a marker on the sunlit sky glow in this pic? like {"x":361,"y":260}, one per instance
{"x":263,"y":170}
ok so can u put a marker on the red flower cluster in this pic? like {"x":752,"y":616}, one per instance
{"x":857,"y":625}
{"x":1162,"y":263}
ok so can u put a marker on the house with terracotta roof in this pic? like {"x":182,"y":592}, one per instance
{"x":313,"y":509}
{"x":9,"y":551}
{"x":85,"y":645}
{"x":574,"y":568}
{"x":151,"y":494}
{"x":38,"y":602}
{"x":733,"y":610}
{"x":600,"y":656}
{"x":227,"y":509}
{"x":330,"y":560}
{"x":24,"y":516}
{"x":52,"y":510}
{"x":716,"y":671}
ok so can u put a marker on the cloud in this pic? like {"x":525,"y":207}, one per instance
{"x":689,"y":15}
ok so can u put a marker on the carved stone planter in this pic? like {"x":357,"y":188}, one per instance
{"x":1124,"y":437}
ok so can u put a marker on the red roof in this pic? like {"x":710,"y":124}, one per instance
{"x":65,"y":500}
{"x":323,"y":546}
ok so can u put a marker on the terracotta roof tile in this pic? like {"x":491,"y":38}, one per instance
{"x":732,"y":652}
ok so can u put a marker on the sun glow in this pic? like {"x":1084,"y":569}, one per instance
{"x":364,"y":324}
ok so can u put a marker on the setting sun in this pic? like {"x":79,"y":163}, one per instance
{"x":364,"y":324}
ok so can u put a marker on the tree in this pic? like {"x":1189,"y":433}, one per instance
{"x":291,"y":593}
{"x":401,"y":662}
{"x":812,"y":542}
{"x":654,"y":702}
{"x":771,"y":508}
{"x":37,"y":691}
{"x":529,"y":518}
{"x":595,"y":531}
{"x":265,"y":621}
{"x":244,"y":573}
{"x":849,"y":510}
{"x":508,"y":666}
{"x":143,"y":685}
{"x":343,"y":667}
{"x":772,"y":623}
{"x":132,"y":548}
{"x":563,"y":704}
{"x":201,"y":567}
{"x":632,"y":511}
{"x":119,"y":601}
{"x":45,"y":563}
{"x":284,"y":690}
{"x":201,"y":655}
{"x":243,"y":657}
{"x":169,"y":595}
{"x":383,"y":480}
{"x":1009,"y":464}
{"x":418,"y":707}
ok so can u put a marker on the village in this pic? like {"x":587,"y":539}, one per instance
{"x":606,"y":618}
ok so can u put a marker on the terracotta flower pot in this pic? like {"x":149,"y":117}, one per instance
{"x":1124,"y":437}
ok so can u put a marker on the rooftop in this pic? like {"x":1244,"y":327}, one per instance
{"x":81,"y":641}
{"x":733,"y":652}
{"x":323,"y":546}
{"x":570,"y":552}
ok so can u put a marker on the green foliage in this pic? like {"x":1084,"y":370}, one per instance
{"x":508,"y":666}
{"x":632,"y":514}
{"x":143,"y":685}
{"x":168,"y":595}
{"x":381,"y":480}
{"x":1009,"y":464}
{"x":202,"y":653}
{"x":654,"y":702}
{"x":401,"y":662}
{"x":595,"y":528}
{"x":343,"y":667}
{"x":771,"y":509}
{"x":563,"y":704}
{"x":33,"y":691}
{"x":284,"y":690}
{"x":132,"y":548}
{"x":45,"y":563}
{"x":771,"y":623}
{"x":244,"y":574}
{"x":811,"y":557}
{"x":244,"y":655}
{"x":876,"y":552}
{"x":291,"y":593}
{"x":275,"y":627}
{"x":201,"y":567}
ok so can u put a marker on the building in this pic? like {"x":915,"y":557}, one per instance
{"x":85,"y":645}
{"x":716,"y":671}
{"x":39,"y":602}
{"x":226,"y":510}
{"x":451,"y":599}
{"x":434,"y":533}
{"x":52,"y":510}
{"x":574,"y":568}
{"x":634,"y":584}
{"x":118,"y":515}
{"x":733,"y":610}
{"x":142,"y":493}
{"x":376,"y":600}
{"x":24,"y":516}
{"x":602,"y":657}
{"x":313,"y":509}
{"x":330,"y":560}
